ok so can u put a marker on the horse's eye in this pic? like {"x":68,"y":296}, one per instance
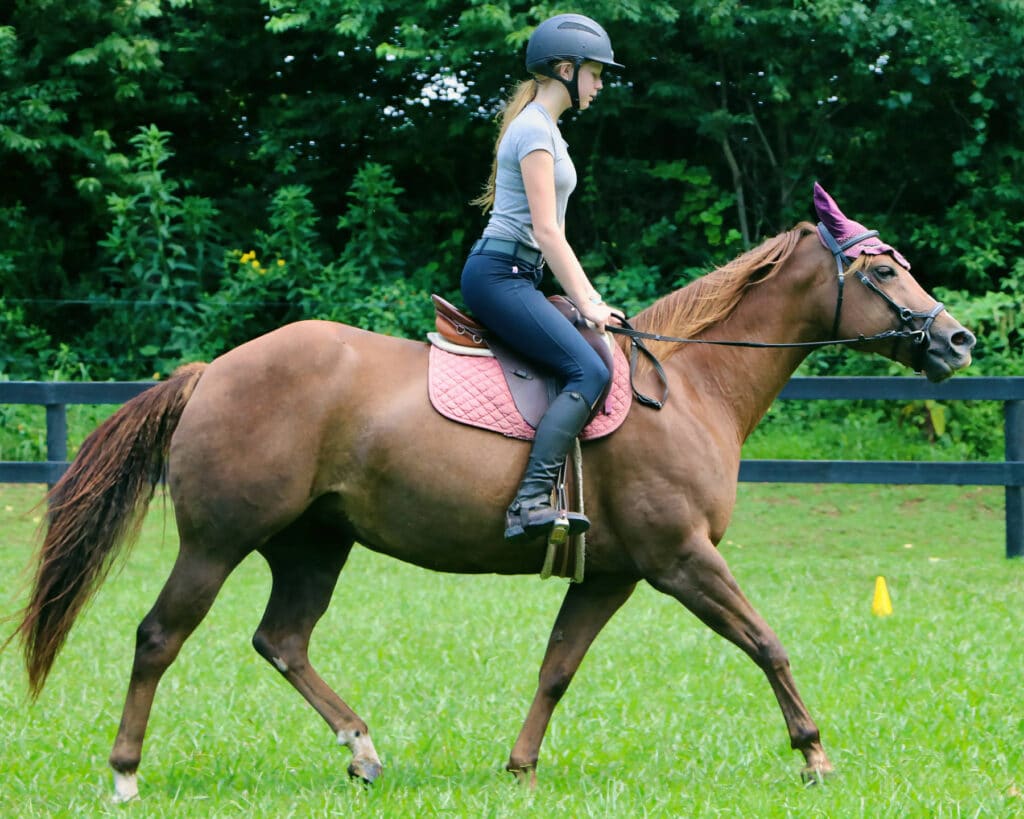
{"x":883,"y":271}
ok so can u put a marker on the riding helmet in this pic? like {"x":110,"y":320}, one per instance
{"x":572,"y":37}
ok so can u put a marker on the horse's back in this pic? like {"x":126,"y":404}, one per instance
{"x":312,"y":348}
{"x":305,"y":371}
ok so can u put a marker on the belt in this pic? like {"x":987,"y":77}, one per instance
{"x":509,"y":247}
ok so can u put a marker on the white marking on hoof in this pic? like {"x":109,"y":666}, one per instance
{"x":126,"y":787}
{"x":358,"y":742}
{"x":365,"y":761}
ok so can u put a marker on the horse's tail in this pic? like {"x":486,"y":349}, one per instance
{"x":97,"y":506}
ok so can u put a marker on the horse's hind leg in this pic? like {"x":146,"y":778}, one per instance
{"x":305,"y":562}
{"x":183,"y":602}
{"x":703,"y":583}
{"x":585,"y":610}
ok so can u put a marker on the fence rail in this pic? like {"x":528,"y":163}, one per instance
{"x":56,"y":395}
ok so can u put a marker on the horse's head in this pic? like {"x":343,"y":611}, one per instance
{"x":913,"y":328}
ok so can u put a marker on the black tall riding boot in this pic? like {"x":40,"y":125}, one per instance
{"x":531,"y":513}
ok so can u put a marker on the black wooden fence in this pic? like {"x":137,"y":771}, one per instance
{"x":56,"y":395}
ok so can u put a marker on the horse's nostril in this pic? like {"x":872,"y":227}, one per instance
{"x":963,"y":339}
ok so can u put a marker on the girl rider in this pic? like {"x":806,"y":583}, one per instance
{"x":531,"y":179}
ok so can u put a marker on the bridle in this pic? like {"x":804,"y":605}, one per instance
{"x":920,"y":337}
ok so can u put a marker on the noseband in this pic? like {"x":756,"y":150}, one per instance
{"x":919,"y":337}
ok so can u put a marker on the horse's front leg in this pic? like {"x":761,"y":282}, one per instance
{"x":585,"y":610}
{"x":701,"y":581}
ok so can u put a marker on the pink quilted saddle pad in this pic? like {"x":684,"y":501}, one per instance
{"x":472,"y":390}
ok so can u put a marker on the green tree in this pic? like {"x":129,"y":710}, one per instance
{"x":158,"y":245}
{"x":908,"y":111}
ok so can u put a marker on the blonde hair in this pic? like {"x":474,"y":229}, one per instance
{"x":522,"y":96}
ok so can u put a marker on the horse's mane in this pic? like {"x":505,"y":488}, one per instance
{"x":701,"y":304}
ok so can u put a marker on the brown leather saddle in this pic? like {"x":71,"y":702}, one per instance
{"x":533,"y":387}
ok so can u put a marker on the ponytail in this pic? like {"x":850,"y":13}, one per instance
{"x":522,"y":96}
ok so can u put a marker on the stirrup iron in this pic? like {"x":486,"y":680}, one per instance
{"x":566,"y":544}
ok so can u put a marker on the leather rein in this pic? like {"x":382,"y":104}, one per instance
{"x":920,"y":337}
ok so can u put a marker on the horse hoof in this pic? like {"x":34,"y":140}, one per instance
{"x":526,"y":775}
{"x":816,"y":775}
{"x":366,"y":771}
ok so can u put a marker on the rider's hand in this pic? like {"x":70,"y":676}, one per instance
{"x":599,"y":314}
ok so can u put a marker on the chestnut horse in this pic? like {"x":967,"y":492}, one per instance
{"x":316,"y":436}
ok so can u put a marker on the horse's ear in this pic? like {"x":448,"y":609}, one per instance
{"x":843,"y":228}
{"x":829,"y":214}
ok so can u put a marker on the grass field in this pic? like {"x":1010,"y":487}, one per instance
{"x":921,"y":712}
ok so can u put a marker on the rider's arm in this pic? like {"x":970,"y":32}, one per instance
{"x":538,"y":168}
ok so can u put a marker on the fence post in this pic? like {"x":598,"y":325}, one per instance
{"x":56,"y":433}
{"x":1014,"y":426}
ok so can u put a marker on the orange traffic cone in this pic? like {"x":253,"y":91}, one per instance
{"x":881,"y":605}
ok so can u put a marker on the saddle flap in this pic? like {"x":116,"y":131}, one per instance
{"x":532,"y":389}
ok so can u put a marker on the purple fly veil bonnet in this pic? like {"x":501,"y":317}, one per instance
{"x":844,"y":229}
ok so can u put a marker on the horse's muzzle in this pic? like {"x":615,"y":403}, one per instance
{"x":945,"y":349}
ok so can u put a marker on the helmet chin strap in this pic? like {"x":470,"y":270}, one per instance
{"x":572,"y":85}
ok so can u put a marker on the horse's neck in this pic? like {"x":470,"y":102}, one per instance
{"x":743,"y":382}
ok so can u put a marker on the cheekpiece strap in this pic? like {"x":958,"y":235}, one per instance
{"x":837,"y":249}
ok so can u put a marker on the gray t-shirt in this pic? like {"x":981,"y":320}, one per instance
{"x":532,"y":130}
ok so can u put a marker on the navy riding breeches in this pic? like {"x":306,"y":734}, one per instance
{"x":502,"y":292}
